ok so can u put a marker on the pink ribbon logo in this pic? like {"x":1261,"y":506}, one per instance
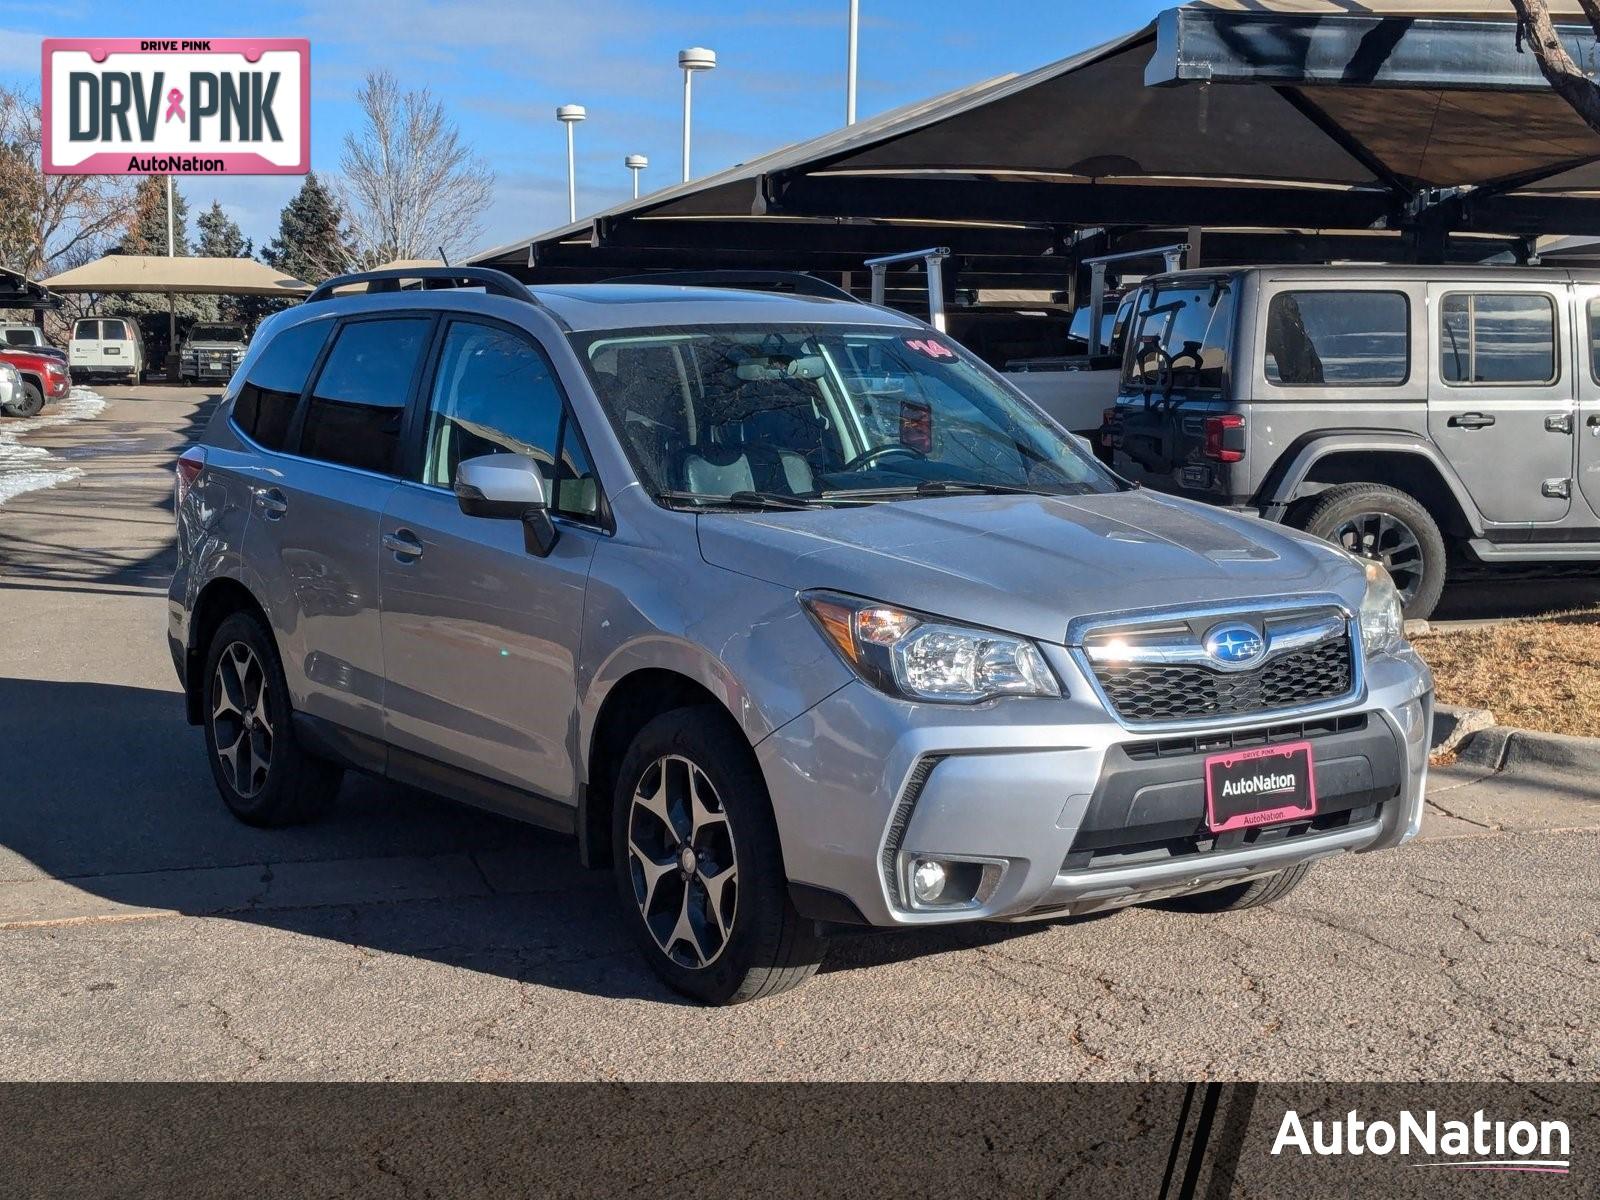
{"x":175,"y":105}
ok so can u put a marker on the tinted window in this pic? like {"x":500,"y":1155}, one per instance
{"x":1594,"y":338}
{"x":1317,"y":339}
{"x":267,"y":400}
{"x":115,"y":331}
{"x":494,"y":394}
{"x":353,"y":416}
{"x":1497,"y":339}
{"x":20,"y":337}
{"x":1181,"y":337}
{"x":88,"y":330}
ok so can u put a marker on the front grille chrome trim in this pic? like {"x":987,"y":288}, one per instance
{"x":1320,"y":625}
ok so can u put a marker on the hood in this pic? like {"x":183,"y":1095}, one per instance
{"x":1030,"y":564}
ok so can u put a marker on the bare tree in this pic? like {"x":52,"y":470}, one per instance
{"x":49,"y":220}
{"x":1565,"y":76}
{"x":411,"y":184}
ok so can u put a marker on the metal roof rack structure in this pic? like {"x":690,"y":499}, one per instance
{"x":494,"y":282}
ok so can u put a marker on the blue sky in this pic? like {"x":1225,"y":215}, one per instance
{"x":502,"y":66}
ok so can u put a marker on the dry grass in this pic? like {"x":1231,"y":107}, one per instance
{"x":1542,"y":674}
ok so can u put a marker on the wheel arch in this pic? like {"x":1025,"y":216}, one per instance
{"x":629,"y":704}
{"x":1397,"y":460}
{"x":218,"y":599}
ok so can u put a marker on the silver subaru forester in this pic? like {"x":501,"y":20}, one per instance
{"x":790,"y":610}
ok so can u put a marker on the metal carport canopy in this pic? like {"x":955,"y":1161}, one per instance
{"x":178,"y":276}
{"x":1384,"y":114}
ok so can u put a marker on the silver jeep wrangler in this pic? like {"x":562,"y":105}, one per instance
{"x":1430,"y":418}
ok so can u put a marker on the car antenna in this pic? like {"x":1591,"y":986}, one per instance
{"x":443,"y":257}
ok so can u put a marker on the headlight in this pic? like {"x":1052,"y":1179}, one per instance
{"x":916,"y":657}
{"x":1383,"y":622}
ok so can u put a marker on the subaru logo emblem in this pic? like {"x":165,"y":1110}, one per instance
{"x":1235,"y":645}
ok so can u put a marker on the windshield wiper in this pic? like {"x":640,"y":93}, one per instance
{"x":741,"y":499}
{"x":935,"y":487}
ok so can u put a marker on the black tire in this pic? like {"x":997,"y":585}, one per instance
{"x":1266,"y":890}
{"x":1410,"y":545}
{"x":768,"y":948}
{"x":293,"y":786}
{"x":29,"y":404}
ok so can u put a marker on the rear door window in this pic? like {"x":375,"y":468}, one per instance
{"x":1497,"y":339}
{"x":1182,"y":336}
{"x":267,"y":400}
{"x":113,"y":331}
{"x":88,"y":331}
{"x":354,"y":415}
{"x":1338,"y":339}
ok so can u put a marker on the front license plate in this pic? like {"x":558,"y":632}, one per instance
{"x":1264,"y":786}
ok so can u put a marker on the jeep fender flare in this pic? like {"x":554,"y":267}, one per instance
{"x":1286,"y":482}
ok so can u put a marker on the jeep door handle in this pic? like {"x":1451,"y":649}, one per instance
{"x":1594,"y":424}
{"x":405,"y":544}
{"x":1471,"y":421}
{"x":272,"y":503}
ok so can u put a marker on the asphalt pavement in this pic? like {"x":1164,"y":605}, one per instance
{"x":146,"y":935}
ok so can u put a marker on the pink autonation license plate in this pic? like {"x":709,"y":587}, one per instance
{"x":1267,"y":785}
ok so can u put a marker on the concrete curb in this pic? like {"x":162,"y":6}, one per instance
{"x":1522,"y":752}
{"x":1453,"y":725}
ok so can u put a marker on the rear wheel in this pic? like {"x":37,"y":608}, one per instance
{"x":262,"y":773}
{"x":29,"y":404}
{"x":698,"y":866}
{"x":1266,"y":890}
{"x":1374,"y":521}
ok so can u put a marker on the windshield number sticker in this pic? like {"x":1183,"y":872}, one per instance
{"x":930,"y":348}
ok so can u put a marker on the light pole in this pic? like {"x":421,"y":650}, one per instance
{"x":569,"y":115}
{"x":636,"y":163}
{"x":850,"y":63}
{"x":696,"y":58}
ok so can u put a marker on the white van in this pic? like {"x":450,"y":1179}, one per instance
{"x":106,"y":346}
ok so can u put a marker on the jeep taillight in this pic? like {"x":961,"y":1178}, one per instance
{"x":1108,"y":427}
{"x":1225,"y":438}
{"x":187,"y":469}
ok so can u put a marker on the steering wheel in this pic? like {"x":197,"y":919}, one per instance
{"x":868,"y":457}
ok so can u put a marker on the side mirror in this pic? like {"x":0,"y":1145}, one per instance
{"x":508,"y":487}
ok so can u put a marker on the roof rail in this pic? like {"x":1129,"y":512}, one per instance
{"x":388,"y":280}
{"x":800,"y":282}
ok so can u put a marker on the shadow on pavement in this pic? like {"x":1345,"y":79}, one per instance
{"x":108,"y":791}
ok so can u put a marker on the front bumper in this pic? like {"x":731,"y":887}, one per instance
{"x":861,"y":783}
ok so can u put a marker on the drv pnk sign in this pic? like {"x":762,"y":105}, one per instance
{"x":169,"y":106}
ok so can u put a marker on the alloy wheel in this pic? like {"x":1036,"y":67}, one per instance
{"x":1385,"y":538}
{"x":682,"y":862}
{"x":241,"y":722}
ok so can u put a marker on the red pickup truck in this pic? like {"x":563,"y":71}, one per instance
{"x":43,"y":378}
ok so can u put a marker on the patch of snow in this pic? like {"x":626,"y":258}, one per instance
{"x":29,"y":468}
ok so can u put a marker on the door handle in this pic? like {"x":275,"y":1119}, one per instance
{"x":1594,"y":424}
{"x":405,"y":544}
{"x":1471,"y":421}
{"x":272,"y":503}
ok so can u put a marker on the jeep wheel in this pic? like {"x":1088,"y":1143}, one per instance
{"x":29,"y":404}
{"x":1254,"y":894}
{"x":698,"y":866}
{"x":1387,"y":525}
{"x":264,"y":776}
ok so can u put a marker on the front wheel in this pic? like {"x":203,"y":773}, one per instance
{"x":698,"y":866}
{"x":1374,"y":521}
{"x":29,"y":404}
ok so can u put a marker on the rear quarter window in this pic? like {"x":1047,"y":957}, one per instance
{"x":1338,"y":339}
{"x":266,"y":403}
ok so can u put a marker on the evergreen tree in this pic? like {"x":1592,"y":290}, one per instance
{"x":312,"y":242}
{"x":147,"y":223}
{"x":220,"y":236}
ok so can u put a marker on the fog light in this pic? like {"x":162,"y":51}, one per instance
{"x":927,"y":881}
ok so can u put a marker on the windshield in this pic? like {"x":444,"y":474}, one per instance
{"x":1181,"y":335}
{"x":216,"y":333}
{"x":793,"y":416}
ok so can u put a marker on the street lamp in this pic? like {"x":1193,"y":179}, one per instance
{"x":569,"y":115}
{"x":696,"y":58}
{"x":636,"y":163}
{"x":853,"y":41}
